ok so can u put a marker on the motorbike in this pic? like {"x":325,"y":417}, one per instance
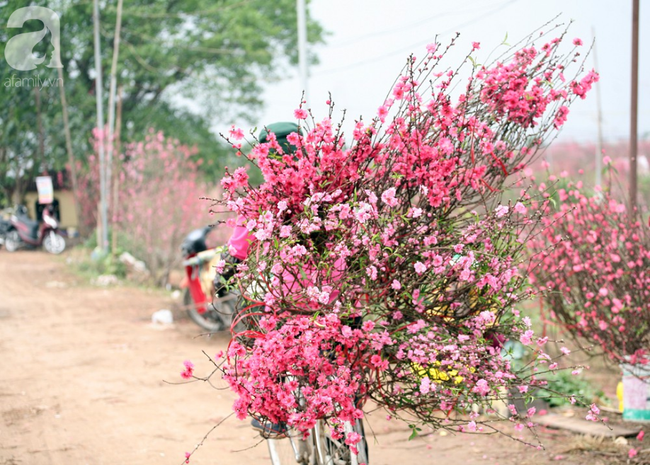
{"x":25,"y":232}
{"x":199,"y":262}
{"x":5,"y":226}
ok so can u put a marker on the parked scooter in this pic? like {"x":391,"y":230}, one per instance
{"x":25,"y":232}
{"x":199,"y":263}
{"x":5,"y":226}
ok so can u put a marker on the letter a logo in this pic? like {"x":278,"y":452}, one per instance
{"x":18,"y":51}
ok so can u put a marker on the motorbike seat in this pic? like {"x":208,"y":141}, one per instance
{"x":32,"y":226}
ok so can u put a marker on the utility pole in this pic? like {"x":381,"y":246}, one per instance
{"x":302,"y":47}
{"x":634,"y":106}
{"x":111,"y":97}
{"x":103,"y":213}
{"x":599,"y":142}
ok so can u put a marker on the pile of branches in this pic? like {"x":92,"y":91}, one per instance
{"x":388,"y":269}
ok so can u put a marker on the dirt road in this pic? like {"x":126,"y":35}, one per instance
{"x":83,"y":375}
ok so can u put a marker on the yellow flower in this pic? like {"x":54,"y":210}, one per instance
{"x":438,"y":375}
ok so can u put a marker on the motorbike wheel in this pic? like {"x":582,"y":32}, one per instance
{"x":212,"y":320}
{"x":12,"y":241}
{"x":54,"y":243}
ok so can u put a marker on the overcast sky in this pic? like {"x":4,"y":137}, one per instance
{"x":370,"y":40}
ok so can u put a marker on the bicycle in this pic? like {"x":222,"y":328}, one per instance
{"x":318,"y":448}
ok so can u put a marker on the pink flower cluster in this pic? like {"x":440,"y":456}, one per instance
{"x":386,"y":269}
{"x":592,"y":263}
{"x":188,"y":372}
{"x":326,"y":360}
{"x":515,"y":94}
{"x":449,"y":367}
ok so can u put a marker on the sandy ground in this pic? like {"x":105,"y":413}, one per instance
{"x":84,"y":379}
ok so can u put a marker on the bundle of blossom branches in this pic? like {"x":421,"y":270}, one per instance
{"x":387,"y":269}
{"x":592,"y":266}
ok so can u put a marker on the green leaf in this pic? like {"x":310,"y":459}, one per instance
{"x":414,"y":432}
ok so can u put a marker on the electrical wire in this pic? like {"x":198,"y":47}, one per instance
{"x":410,"y":48}
{"x":345,"y":43}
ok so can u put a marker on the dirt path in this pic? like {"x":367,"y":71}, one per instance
{"x":82,"y":382}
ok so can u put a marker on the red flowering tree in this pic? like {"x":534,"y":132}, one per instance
{"x":158,"y":200}
{"x":387,"y":270}
{"x":592,"y":267}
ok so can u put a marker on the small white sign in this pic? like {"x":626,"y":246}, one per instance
{"x":45,"y":189}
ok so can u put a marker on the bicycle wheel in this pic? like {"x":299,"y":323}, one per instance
{"x":293,"y":449}
{"x":332,"y":451}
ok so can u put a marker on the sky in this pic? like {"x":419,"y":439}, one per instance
{"x":370,"y":40}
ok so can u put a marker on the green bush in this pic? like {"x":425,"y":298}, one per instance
{"x":97,"y":264}
{"x":565,"y":384}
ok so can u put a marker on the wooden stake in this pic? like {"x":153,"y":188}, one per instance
{"x":68,"y":146}
{"x":117,"y":171}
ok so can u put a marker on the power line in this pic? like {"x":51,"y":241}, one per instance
{"x":416,"y":45}
{"x":354,"y":40}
